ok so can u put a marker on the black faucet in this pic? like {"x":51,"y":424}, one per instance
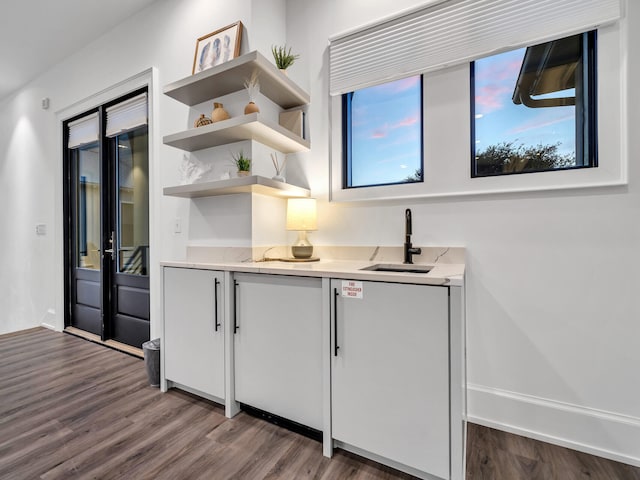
{"x":409,"y":250}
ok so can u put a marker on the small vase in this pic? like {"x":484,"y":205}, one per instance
{"x":279,"y":178}
{"x":243,"y":173}
{"x":284,"y":71}
{"x":251,"y":108}
{"x":201,"y":121}
{"x":219,"y":113}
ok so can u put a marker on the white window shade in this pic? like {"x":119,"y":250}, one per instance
{"x":454,"y":32}
{"x":83,"y":131}
{"x":127,"y":115}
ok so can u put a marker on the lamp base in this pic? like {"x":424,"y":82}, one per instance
{"x":302,"y":251}
{"x":302,"y":248}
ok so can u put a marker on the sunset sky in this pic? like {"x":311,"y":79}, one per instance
{"x":498,"y":119}
{"x":386,"y":132}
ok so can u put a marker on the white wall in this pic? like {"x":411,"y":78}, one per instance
{"x":551,"y":309}
{"x":552,"y":278}
{"x":162,"y":36}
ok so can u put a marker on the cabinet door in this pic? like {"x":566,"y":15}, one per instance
{"x":278,"y":356}
{"x":390,"y":373}
{"x":193,"y":329}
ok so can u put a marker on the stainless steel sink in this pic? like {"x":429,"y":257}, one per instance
{"x":398,"y":267}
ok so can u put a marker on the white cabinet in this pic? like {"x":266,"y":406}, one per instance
{"x":390,"y":373}
{"x":278,"y":345}
{"x":194,"y":330}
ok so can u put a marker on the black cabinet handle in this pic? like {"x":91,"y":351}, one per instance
{"x":235,"y":308}
{"x":215,"y":304}
{"x":335,"y":322}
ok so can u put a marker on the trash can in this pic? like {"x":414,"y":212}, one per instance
{"x":151,"y":351}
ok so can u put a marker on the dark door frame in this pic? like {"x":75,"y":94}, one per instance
{"x":108,"y":218}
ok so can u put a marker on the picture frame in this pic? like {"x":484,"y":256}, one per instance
{"x":217,"y":47}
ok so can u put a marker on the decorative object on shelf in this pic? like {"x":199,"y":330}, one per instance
{"x":219,"y":113}
{"x":279,"y":168}
{"x":243,"y":164}
{"x":193,"y":170}
{"x":202,"y":120}
{"x":217,"y":47}
{"x":253,"y":89}
{"x":283,"y":57}
{"x":302,"y":216}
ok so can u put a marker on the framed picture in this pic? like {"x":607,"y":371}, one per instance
{"x":217,"y":47}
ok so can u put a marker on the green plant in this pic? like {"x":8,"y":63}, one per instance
{"x":283,"y":57}
{"x":243,"y":164}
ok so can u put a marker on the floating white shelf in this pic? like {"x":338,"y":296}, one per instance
{"x":244,"y":127}
{"x":230,"y":76}
{"x":250,"y":184}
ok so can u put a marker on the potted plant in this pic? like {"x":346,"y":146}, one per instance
{"x":253,"y":89}
{"x":283,"y":57}
{"x":243,"y":164}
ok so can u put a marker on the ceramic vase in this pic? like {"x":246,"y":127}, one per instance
{"x":251,"y":108}
{"x":219,"y":113}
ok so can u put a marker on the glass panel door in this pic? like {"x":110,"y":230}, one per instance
{"x":128,"y":321}
{"x":86,"y":240}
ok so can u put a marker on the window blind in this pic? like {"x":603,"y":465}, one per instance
{"x":454,"y":32}
{"x":83,"y":131}
{"x":127,"y":115}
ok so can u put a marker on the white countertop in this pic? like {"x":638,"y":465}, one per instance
{"x":445,"y":274}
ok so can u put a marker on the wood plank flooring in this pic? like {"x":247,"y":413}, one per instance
{"x":71,"y":409}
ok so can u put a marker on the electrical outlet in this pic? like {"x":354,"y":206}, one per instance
{"x":177,"y":226}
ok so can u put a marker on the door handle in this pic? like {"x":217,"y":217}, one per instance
{"x":335,"y":322}
{"x":110,"y":250}
{"x":215,"y":304}
{"x":235,"y":308}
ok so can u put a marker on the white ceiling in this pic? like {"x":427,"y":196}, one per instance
{"x":37,"y":34}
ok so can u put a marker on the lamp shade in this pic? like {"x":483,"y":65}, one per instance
{"x":301,"y":214}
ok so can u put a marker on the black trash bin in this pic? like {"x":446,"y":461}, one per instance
{"x":151,"y":351}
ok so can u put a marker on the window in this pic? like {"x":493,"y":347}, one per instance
{"x":534,"y":109}
{"x":382,"y":134}
{"x":571,"y":106}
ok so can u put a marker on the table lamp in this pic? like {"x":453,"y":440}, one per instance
{"x":302,"y":216}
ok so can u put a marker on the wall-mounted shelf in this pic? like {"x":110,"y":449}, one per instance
{"x":250,"y":184}
{"x":230,"y":76}
{"x":245,"y":127}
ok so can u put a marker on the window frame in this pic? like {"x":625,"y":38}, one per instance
{"x":586,"y":132}
{"x":347,"y":139}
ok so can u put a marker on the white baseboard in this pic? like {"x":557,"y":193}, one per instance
{"x":49,"y":320}
{"x":597,"y":432}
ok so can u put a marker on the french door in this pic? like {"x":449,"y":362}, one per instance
{"x":107,"y":228}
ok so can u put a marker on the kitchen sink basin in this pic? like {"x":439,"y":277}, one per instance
{"x":394,"y":267}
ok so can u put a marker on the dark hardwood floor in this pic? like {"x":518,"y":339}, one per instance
{"x":71,"y":409}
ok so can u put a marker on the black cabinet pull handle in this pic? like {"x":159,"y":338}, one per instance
{"x":335,"y":322}
{"x":235,"y":308}
{"x":215,"y":304}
